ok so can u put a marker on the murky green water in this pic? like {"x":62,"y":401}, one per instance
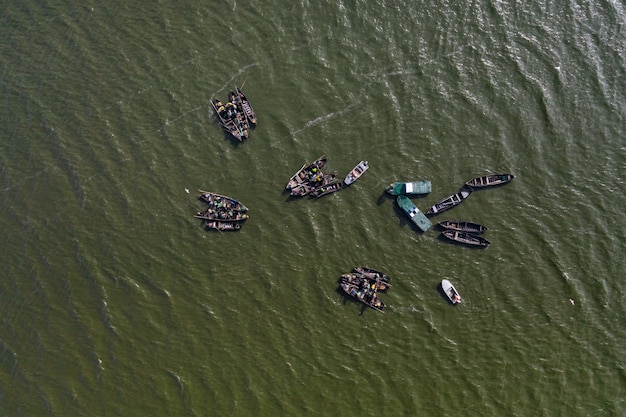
{"x":115,"y":302}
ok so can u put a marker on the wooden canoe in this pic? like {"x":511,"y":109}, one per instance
{"x":304,"y":173}
{"x":371,"y":273}
{"x":242,"y":101}
{"x":466,"y":238}
{"x":327,"y":189}
{"x":462,"y":226}
{"x":365,"y":295}
{"x":231,"y":120}
{"x":490,"y":180}
{"x":449,"y":202}
{"x":222,"y":226}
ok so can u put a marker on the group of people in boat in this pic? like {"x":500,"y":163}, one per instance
{"x":364,"y":288}
{"x":313,"y":181}
{"x":223,"y":213}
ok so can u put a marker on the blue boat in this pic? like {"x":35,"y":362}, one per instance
{"x":414,"y":213}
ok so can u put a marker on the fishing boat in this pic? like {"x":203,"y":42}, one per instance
{"x":222,"y":226}
{"x":222,"y":215}
{"x":221,"y":201}
{"x":365,"y":295}
{"x":466,"y":238}
{"x":356,"y":172}
{"x":301,"y":190}
{"x":449,"y":202}
{"x":450,"y":291}
{"x":327,"y":189}
{"x":462,"y":226}
{"x":371,"y":273}
{"x":305,"y":173}
{"x":409,"y":188}
{"x":416,"y":216}
{"x":232,"y":121}
{"x":244,"y":104}
{"x":314,"y":184}
{"x":362,"y":281}
{"x":490,"y":180}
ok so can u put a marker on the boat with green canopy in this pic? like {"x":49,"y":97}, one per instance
{"x":416,"y":216}
{"x":410,"y":188}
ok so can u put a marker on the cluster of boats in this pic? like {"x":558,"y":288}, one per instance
{"x":237,"y":115}
{"x":455,"y":230}
{"x":363,"y":284}
{"x":223,"y":213}
{"x":310,"y":180}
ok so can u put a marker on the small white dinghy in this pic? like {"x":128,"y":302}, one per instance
{"x":356,"y":172}
{"x":450,"y":291}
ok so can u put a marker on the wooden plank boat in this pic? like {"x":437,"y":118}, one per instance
{"x":490,"y":180}
{"x":410,"y":188}
{"x":304,"y":173}
{"x":416,"y":216}
{"x":243,"y":103}
{"x":232,"y":120}
{"x":356,"y":172}
{"x":327,"y":189}
{"x":371,"y":273}
{"x":363,"y":281}
{"x":314,"y":183}
{"x":221,"y":201}
{"x":466,"y":238}
{"x":301,"y":190}
{"x":365,"y":295}
{"x":221,"y":214}
{"x":450,"y":291}
{"x":222,"y":226}
{"x":462,"y":226}
{"x":449,"y":202}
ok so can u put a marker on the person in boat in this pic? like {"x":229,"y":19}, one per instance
{"x":456,"y":297}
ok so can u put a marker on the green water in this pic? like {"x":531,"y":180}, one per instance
{"x":114,"y":301}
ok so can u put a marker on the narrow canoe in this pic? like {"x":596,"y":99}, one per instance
{"x":246,"y":106}
{"x":490,"y":180}
{"x":219,"y":201}
{"x":449,"y":202}
{"x":232,"y":121}
{"x":450,"y":291}
{"x":465,"y":238}
{"x":371,"y":273}
{"x":462,"y":226}
{"x":327,"y":189}
{"x":305,"y":172}
{"x":222,"y":226}
{"x":416,"y":216}
{"x":410,"y":188}
{"x":365,"y":295}
{"x":363,"y":281}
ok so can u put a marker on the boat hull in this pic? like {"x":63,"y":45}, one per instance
{"x":409,"y":188}
{"x":417,"y":217}
{"x":356,"y":172}
{"x":450,"y":291}
{"x":465,"y":238}
{"x":449,"y":202}
{"x":491,"y":180}
{"x":462,"y":226}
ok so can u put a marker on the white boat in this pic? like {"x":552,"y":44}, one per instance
{"x":356,"y":172}
{"x":450,"y":291}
